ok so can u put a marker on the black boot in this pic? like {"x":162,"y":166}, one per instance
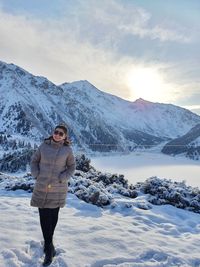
{"x":53,"y":249}
{"x":49,"y":251}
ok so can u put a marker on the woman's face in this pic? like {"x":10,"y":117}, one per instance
{"x":59,"y":134}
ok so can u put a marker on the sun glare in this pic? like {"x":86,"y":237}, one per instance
{"x":146,"y":83}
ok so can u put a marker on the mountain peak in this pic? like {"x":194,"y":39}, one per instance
{"x":80,"y":83}
{"x":142,"y":101}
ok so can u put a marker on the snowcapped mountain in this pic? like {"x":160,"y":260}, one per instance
{"x":189,"y":144}
{"x":161,"y":120}
{"x":31,"y":106}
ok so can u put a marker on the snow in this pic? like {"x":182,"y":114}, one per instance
{"x":127,"y":233}
{"x":87,"y":235}
{"x":137,"y":166}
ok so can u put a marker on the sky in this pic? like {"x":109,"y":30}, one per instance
{"x":129,"y":48}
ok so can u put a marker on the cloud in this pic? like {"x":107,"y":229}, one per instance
{"x":91,"y":40}
{"x":112,"y":18}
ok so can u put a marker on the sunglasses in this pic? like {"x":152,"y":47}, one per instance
{"x":58,"y":133}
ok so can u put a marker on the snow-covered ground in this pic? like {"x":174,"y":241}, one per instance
{"x":87,"y":235}
{"x":121,"y":235}
{"x":138,"y":166}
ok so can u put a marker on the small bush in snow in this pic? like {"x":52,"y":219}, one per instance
{"x":165,"y":191}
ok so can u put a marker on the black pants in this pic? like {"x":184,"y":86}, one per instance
{"x":48,"y":221}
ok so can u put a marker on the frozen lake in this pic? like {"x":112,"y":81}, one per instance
{"x":138,"y":166}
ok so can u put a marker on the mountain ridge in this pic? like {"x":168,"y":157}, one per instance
{"x":32,"y":105}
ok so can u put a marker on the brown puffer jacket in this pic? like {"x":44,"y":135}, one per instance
{"x":52,"y":165}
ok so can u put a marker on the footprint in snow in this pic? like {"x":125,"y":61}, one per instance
{"x":31,"y":256}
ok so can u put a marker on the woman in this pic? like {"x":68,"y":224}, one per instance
{"x":52,"y":165}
